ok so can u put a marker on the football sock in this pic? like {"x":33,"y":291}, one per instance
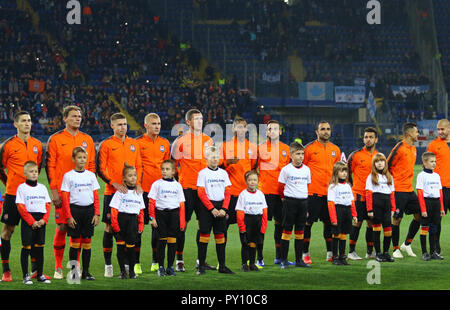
{"x":244,"y":249}
{"x":251,"y":253}
{"x":220,"y":248}
{"x":278,"y":231}
{"x":154,"y":242}
{"x":59,"y":243}
{"x":260,"y":248}
{"x":412,"y":231}
{"x":203,"y":248}
{"x":354,"y":234}
{"x":369,"y":239}
{"x":161,"y":251}
{"x":5,"y":250}
{"x":307,"y":238}
{"x":137,"y":248}
{"x":376,"y":237}
{"x":131,"y":257}
{"x":86,"y":258}
{"x":24,"y":259}
{"x":107,"y":247}
{"x":180,"y":244}
{"x":395,"y":236}
{"x":423,"y":239}
{"x":284,"y":244}
{"x":328,"y":237}
{"x":171,"y":245}
{"x":298,"y":244}
{"x":387,"y":238}
{"x":342,"y":244}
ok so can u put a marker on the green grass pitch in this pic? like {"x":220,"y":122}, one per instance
{"x":404,"y":274}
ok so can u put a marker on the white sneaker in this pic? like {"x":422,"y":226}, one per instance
{"x":58,"y":275}
{"x":27,"y":280}
{"x":407,"y":249}
{"x":371,"y":255}
{"x":180,"y":266}
{"x":397,"y":254}
{"x":127,"y":269}
{"x":109,"y":271}
{"x":43,"y":279}
{"x":329,"y":256}
{"x":353,"y":256}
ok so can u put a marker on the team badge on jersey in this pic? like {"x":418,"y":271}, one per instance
{"x":132,"y":148}
{"x":333,"y":154}
{"x":84,"y":145}
{"x":284,"y":153}
{"x":162,"y":148}
{"x":35,"y":149}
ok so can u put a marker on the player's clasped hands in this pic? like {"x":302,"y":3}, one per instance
{"x":38,"y":224}
{"x":218,"y":213}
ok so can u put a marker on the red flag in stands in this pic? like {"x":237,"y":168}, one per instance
{"x":36,"y":86}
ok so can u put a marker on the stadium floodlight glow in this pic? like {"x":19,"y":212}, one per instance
{"x":117,"y":42}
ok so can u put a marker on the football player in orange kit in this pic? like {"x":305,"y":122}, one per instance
{"x":59,"y":161}
{"x":188,"y":153}
{"x":114,"y":153}
{"x":14,"y":153}
{"x":401,"y":162}
{"x":320,"y":157}
{"x":441,"y":148}
{"x":239,"y":156}
{"x":273,"y":155}
{"x":154,"y":151}
{"x":359,"y":166}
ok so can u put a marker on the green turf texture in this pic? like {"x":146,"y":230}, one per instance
{"x":403,"y":274}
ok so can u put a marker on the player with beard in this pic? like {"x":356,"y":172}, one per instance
{"x":320,"y":157}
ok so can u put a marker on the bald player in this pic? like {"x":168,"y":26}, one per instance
{"x":401,"y":162}
{"x":14,"y":153}
{"x":320,"y":157}
{"x":441,"y":148}
{"x":154,"y":151}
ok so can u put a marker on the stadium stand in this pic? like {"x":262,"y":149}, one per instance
{"x":150,"y":57}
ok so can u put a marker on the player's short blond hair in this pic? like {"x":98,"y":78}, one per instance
{"x":426,"y":156}
{"x":211,"y":150}
{"x":150,"y":116}
{"x":29,"y":164}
